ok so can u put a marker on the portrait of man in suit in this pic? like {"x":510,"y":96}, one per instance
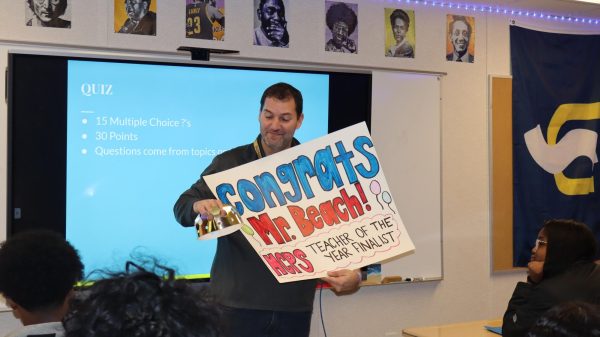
{"x":140,"y":20}
{"x":460,"y":44}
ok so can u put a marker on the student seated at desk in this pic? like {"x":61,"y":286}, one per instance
{"x":142,"y":303}
{"x":561,"y":269}
{"x":38,"y":270}
{"x":569,"y":319}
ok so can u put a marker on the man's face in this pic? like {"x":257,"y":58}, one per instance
{"x":136,"y":9}
{"x":271,"y":15}
{"x":460,"y":37}
{"x":339,"y":32}
{"x":399,"y":28}
{"x":278,"y":123}
{"x":47,"y":10}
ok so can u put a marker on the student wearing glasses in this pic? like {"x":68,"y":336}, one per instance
{"x":561,"y":269}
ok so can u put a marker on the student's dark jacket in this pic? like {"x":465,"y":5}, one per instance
{"x":529,"y":301}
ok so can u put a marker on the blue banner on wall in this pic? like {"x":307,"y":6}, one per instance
{"x":556,"y":123}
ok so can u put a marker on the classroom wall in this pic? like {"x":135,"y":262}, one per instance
{"x":469,"y":290}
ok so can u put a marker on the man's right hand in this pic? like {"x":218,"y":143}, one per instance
{"x":277,"y":31}
{"x":207,"y":208}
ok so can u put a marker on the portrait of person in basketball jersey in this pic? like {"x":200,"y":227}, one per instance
{"x":205,"y":19}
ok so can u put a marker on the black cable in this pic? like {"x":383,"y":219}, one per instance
{"x":321,"y":309}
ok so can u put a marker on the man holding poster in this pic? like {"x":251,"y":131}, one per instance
{"x":255,"y":303}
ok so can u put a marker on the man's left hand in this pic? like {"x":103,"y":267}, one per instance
{"x":343,"y":281}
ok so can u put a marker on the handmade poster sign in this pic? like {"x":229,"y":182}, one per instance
{"x":319,"y":206}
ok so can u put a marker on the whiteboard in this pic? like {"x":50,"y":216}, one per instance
{"x":406,"y":130}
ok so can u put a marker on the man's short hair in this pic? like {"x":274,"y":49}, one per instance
{"x":283,"y":91}
{"x":143,"y":303}
{"x":60,"y":8}
{"x":457,"y":18}
{"x":341,"y":12}
{"x":399,"y":14}
{"x":38,"y":269}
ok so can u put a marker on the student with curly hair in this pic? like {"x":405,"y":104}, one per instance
{"x":569,"y":319}
{"x":38,"y":270}
{"x":142,"y":303}
{"x":562,"y":269}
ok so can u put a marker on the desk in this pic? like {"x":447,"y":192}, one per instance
{"x":466,"y":329}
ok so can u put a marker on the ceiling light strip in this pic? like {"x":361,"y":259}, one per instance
{"x":502,"y":11}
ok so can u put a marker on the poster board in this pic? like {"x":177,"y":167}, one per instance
{"x":320,"y":206}
{"x":502,"y":172}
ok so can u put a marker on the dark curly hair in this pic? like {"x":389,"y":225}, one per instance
{"x":569,"y":319}
{"x":569,"y":242}
{"x":38,"y":269}
{"x":140,"y":303}
{"x":341,"y":12}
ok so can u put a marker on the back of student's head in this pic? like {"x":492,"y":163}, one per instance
{"x":140,"y":303}
{"x":570,"y":319}
{"x":38,"y":269}
{"x":569,"y":242}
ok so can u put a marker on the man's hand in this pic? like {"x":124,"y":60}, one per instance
{"x":207,"y":208}
{"x":277,"y":33}
{"x":343,"y":281}
{"x":535,"y":271}
{"x":350,"y":45}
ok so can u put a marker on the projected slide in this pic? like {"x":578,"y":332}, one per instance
{"x":140,"y":134}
